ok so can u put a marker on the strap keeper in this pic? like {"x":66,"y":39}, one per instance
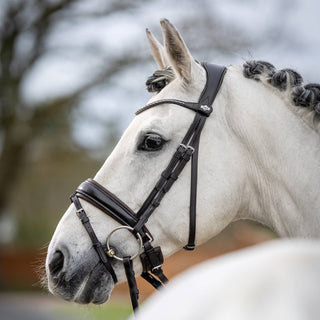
{"x":82,"y":216}
{"x":189,"y":247}
{"x":179,"y":152}
{"x":186,"y":157}
{"x":160,"y":183}
{"x":192,"y":149}
{"x":165,"y":175}
{"x":174,"y":176}
{"x":156,"y":204}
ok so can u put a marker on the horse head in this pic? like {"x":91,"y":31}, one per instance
{"x":243,"y":170}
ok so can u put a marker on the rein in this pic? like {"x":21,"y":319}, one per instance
{"x":92,"y":192}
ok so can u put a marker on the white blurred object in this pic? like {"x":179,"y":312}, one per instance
{"x":276,"y":280}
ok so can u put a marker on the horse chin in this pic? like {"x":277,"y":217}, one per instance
{"x":96,"y":287}
{"x":84,"y":288}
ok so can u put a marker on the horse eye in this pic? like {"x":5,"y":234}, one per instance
{"x":151,"y":142}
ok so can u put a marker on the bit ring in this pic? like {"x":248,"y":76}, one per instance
{"x":111,"y":252}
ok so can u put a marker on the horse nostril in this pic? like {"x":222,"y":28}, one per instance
{"x":56,"y":263}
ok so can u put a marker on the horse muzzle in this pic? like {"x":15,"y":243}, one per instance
{"x":87,"y":282}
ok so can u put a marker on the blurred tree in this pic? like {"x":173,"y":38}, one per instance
{"x":24,"y":29}
{"x":38,"y":135}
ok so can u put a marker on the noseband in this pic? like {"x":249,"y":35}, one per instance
{"x":92,"y":192}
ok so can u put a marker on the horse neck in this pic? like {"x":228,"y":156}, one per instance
{"x":282,"y":154}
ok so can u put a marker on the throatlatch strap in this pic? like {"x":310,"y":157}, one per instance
{"x":133,"y":288}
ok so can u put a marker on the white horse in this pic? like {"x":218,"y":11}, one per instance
{"x":258,"y":159}
{"x":276,"y":280}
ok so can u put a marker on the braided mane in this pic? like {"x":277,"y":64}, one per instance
{"x":305,"y":99}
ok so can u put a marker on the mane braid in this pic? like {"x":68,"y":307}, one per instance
{"x":288,"y":81}
{"x":160,"y":79}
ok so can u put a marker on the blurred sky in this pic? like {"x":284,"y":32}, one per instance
{"x":286,"y":33}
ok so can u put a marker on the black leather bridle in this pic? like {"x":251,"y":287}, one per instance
{"x":92,"y":192}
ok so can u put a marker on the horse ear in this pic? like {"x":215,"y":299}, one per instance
{"x":157,"y":50}
{"x":177,"y":52}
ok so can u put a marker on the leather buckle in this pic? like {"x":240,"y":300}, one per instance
{"x":192,"y":149}
{"x":182,"y":148}
{"x":149,"y":236}
{"x":82,"y":215}
{"x":156,"y":268}
{"x":151,"y":259}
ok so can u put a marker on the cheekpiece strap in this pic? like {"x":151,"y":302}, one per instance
{"x":132,"y":283}
{"x":95,"y":241}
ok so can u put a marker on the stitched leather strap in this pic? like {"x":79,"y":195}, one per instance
{"x":181,"y":155}
{"x":152,"y":280}
{"x":193,"y":200}
{"x":203,"y":109}
{"x":107,"y":202}
{"x":189,"y":105}
{"x":133,"y":288}
{"x":172,"y":172}
{"x":95,"y":242}
{"x":102,"y":198}
{"x":215,"y":75}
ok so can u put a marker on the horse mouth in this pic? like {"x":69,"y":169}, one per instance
{"x":96,"y":287}
{"x":84,"y":287}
